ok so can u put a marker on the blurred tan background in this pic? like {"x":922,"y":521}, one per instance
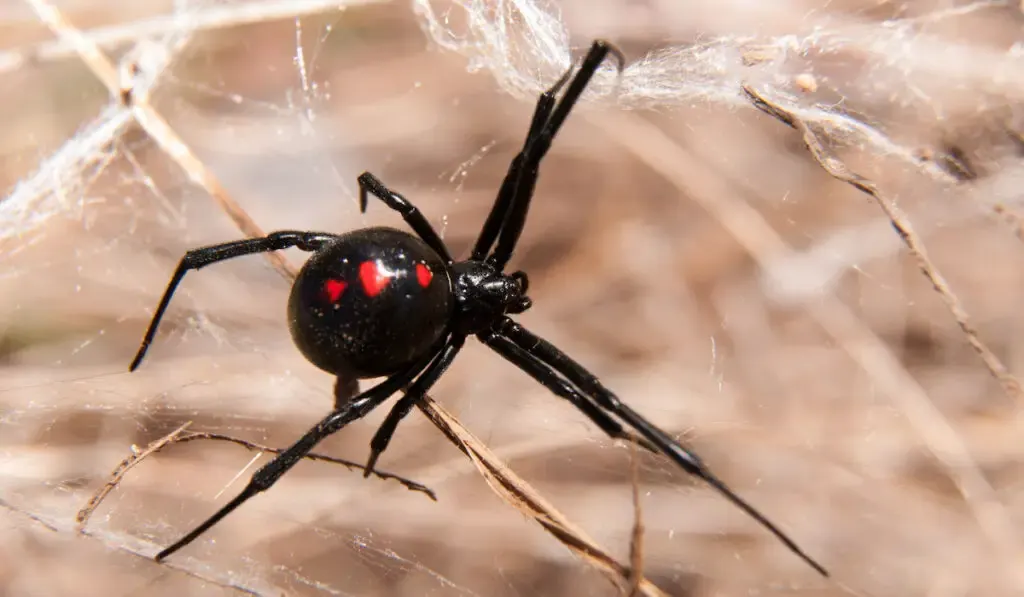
{"x":827,"y":382}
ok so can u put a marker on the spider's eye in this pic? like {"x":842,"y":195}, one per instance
{"x":333,"y":289}
{"x":423,"y":275}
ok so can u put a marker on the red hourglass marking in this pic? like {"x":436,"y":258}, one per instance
{"x":372,"y":278}
{"x":423,"y":275}
{"x":334,"y":288}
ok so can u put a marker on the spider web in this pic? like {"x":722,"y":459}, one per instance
{"x":775,"y":315}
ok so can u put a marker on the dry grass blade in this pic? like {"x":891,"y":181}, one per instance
{"x":519,"y":494}
{"x":349,"y":464}
{"x":511,"y":488}
{"x":179,"y":436}
{"x":838,"y":170}
{"x":126,"y":465}
{"x":636,"y":541}
{"x":173,"y":146}
{"x":155,"y":125}
{"x":86,"y":50}
{"x":203,"y":17}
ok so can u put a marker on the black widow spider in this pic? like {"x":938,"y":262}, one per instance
{"x":381,"y":302}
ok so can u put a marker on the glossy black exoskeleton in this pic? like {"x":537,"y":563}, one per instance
{"x":381,"y":302}
{"x":370,"y":302}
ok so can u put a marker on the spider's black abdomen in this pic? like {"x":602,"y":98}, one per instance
{"x":370,"y":302}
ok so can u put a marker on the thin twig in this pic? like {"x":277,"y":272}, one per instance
{"x":173,"y":146}
{"x":178,"y":436}
{"x":119,"y":472}
{"x":839,"y":170}
{"x":155,"y":125}
{"x":197,"y":17}
{"x":636,"y":539}
{"x":518,"y":493}
{"x":349,"y":464}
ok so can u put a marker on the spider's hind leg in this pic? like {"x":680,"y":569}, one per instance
{"x":508,"y":213}
{"x":560,"y":387}
{"x":546,"y":354}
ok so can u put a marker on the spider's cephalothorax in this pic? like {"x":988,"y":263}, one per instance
{"x":483,"y":294}
{"x":379,"y":301}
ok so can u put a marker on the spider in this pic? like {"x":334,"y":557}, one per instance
{"x":380,"y":302}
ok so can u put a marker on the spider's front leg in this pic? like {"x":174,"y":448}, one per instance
{"x":492,"y":225}
{"x":518,"y":187}
{"x":371,"y":185}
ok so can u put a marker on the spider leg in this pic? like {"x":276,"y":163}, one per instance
{"x":491,"y":227}
{"x":550,"y":380}
{"x":546,"y":353}
{"x":412,"y":396}
{"x":525,"y":176}
{"x":269,"y":473}
{"x":198,"y":258}
{"x":371,"y":185}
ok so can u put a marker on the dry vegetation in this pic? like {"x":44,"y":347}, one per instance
{"x":698,"y":258}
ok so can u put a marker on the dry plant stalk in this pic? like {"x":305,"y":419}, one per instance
{"x":156,"y":126}
{"x":636,"y":541}
{"x":519,"y":494}
{"x":349,"y":464}
{"x":839,"y":170}
{"x":120,"y":470}
{"x":507,"y":485}
{"x":206,"y":17}
{"x":179,"y":436}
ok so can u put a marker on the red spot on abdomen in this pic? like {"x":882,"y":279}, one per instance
{"x":423,"y":275}
{"x":372,"y":278}
{"x":334,"y":288}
